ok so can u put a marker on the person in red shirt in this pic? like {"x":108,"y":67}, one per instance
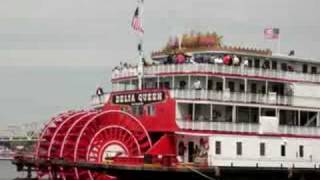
{"x":180,"y":58}
{"x":227,"y":60}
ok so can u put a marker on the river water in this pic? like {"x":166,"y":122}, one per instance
{"x":8,"y":171}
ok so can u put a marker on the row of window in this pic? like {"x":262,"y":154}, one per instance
{"x":262,"y":149}
{"x":138,"y":110}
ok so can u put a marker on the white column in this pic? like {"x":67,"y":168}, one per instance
{"x":234,"y":114}
{"x":193,"y":111}
{"x":299,"y":117}
{"x":158,"y":81}
{"x":173,"y":82}
{"x":211,"y":109}
{"x":206,"y":84}
{"x":318,"y":119}
{"x":189,"y":82}
{"x":223,"y":83}
{"x":259,"y":113}
{"x":245,"y":85}
{"x":266,"y":87}
{"x":131,"y":84}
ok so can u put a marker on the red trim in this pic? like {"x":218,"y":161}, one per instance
{"x":213,"y":74}
{"x":209,"y":132}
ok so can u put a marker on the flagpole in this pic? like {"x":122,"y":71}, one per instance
{"x":140,"y":50}
{"x":279,"y":43}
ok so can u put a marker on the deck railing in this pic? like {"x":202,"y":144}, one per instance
{"x":241,"y":97}
{"x":220,"y":69}
{"x":245,"y":127}
{"x":218,"y":126}
{"x":98,"y":101}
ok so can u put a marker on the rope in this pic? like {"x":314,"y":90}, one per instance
{"x":199,"y":173}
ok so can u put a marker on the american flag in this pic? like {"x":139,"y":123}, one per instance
{"x":136,"y":20}
{"x":271,"y":33}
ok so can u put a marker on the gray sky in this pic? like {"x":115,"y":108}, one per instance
{"x":71,"y":44}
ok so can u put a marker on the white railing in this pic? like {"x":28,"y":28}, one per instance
{"x":240,"y":97}
{"x":232,"y":70}
{"x":299,"y":130}
{"x":98,"y":101}
{"x":127,"y":72}
{"x":215,"y":68}
{"x":218,"y":126}
{"x":245,"y":127}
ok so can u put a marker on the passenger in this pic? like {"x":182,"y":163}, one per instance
{"x":198,"y":58}
{"x":218,"y":60}
{"x":206,"y":59}
{"x":197,"y":85}
{"x":180,"y":58}
{"x":266,"y":65}
{"x":116,"y":71}
{"x":227,"y":60}
{"x":212,"y":59}
{"x":235,"y":60}
{"x":190,"y":60}
{"x":245,"y":63}
{"x":100,"y":93}
{"x":169,"y":59}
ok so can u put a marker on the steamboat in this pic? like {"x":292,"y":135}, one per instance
{"x":197,"y":110}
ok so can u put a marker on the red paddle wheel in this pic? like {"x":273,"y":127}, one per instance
{"x":90,"y":136}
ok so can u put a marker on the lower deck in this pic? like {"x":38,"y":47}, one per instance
{"x":184,"y":171}
{"x":238,"y":150}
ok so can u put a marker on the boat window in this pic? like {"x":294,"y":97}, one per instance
{"x":268,"y":112}
{"x":308,"y":118}
{"x":283,"y":150}
{"x":305,"y":68}
{"x":284,"y":67}
{"x":288,"y":117}
{"x":241,"y":88}
{"x":219,"y":86}
{"x":239,"y":148}
{"x":253,"y":88}
{"x":218,"y":147}
{"x":314,"y":70}
{"x":262,"y":149}
{"x":256,"y":63}
{"x":137,"y":110}
{"x":249,"y":62}
{"x":151,"y":110}
{"x":247,"y":115}
{"x":231,"y":86}
{"x":274,"y":65}
{"x":210,"y":84}
{"x":301,"y":153}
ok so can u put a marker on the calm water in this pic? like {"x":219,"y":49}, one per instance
{"x":8,"y":171}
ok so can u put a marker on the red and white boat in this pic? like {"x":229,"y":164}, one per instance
{"x":200,"y":110}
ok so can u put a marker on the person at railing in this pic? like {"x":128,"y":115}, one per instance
{"x":227,"y":60}
{"x":180,"y":58}
{"x":197,"y":85}
{"x":235,"y":60}
{"x":266,"y":65}
{"x":182,"y":84}
{"x":169,"y":59}
{"x":115,"y":71}
{"x":218,"y":60}
{"x":100,"y":93}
